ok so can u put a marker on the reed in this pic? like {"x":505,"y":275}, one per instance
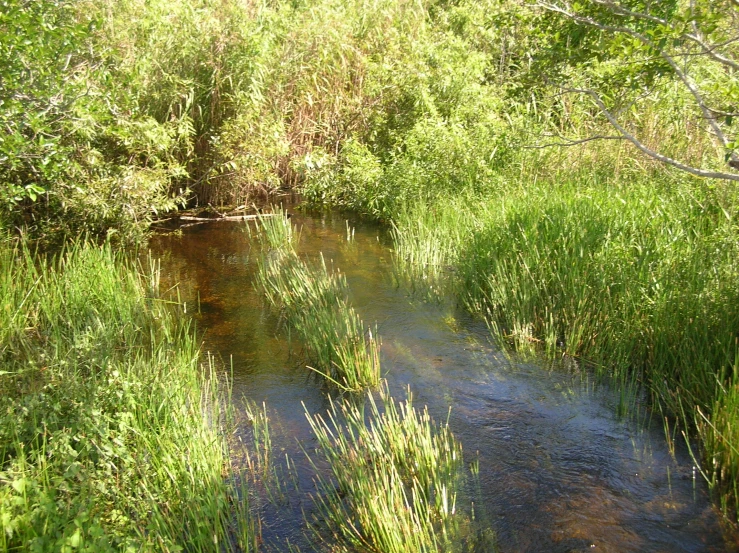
{"x":314,"y":302}
{"x":393,"y":480}
{"x":718,"y":429}
{"x":639,"y":281}
{"x":427,"y":242}
{"x":112,"y":435}
{"x":269,"y":479}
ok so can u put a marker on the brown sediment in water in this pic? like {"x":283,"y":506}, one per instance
{"x":557,"y":466}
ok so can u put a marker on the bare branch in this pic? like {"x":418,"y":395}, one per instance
{"x":651,"y":153}
{"x":721,"y":113}
{"x":228,"y":217}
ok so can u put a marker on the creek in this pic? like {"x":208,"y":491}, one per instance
{"x":559,"y":471}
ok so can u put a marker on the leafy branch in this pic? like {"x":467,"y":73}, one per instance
{"x":677,"y":42}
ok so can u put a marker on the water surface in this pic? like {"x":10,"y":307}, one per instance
{"x":559,"y":471}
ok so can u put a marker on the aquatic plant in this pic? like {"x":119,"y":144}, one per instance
{"x":718,"y":429}
{"x":111,"y":434}
{"x":270,"y":479}
{"x":314,"y":302}
{"x":639,"y":280}
{"x":115,"y":109}
{"x":394,"y":478}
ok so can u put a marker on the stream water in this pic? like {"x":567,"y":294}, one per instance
{"x":559,"y":470}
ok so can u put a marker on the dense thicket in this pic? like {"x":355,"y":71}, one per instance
{"x":113,"y":112}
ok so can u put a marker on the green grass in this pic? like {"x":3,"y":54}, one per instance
{"x":372,"y":106}
{"x":639,"y":280}
{"x":719,"y":429}
{"x":111,"y":434}
{"x":393,"y":481}
{"x":314,"y":302}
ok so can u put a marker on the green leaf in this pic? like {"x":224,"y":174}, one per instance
{"x":75,"y":539}
{"x":20,"y":485}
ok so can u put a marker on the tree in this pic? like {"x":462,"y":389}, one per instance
{"x":695,"y":42}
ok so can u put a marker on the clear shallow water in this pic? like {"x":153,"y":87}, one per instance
{"x":559,"y":471}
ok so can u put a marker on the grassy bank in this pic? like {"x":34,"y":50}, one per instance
{"x":110,"y":432}
{"x":639,"y":281}
{"x":315,"y":304}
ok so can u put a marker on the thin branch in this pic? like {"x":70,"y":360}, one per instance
{"x":633,"y":102}
{"x":651,"y":153}
{"x":721,"y":113}
{"x":227,"y":218}
{"x":570,"y":142}
{"x":695,"y":37}
{"x":687,"y":81}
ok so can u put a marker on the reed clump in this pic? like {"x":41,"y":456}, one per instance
{"x":315,"y":303}
{"x":639,"y":281}
{"x":393,"y":481}
{"x":111,"y":434}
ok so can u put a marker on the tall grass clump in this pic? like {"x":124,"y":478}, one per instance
{"x":394,"y":478}
{"x":631,"y":279}
{"x":718,"y":428}
{"x":110,"y":432}
{"x":315,"y":303}
{"x":637,"y":280}
{"x":428,"y":241}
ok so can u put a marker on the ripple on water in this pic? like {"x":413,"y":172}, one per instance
{"x":559,"y":471}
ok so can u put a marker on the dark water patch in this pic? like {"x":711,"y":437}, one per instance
{"x":559,"y":470}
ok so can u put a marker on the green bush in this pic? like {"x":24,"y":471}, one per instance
{"x":78,"y":155}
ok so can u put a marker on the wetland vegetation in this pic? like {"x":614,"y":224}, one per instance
{"x":113,"y":435}
{"x":314,"y":303}
{"x":567,"y":171}
{"x":394,"y":480}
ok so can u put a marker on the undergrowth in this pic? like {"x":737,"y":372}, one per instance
{"x":111,"y":434}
